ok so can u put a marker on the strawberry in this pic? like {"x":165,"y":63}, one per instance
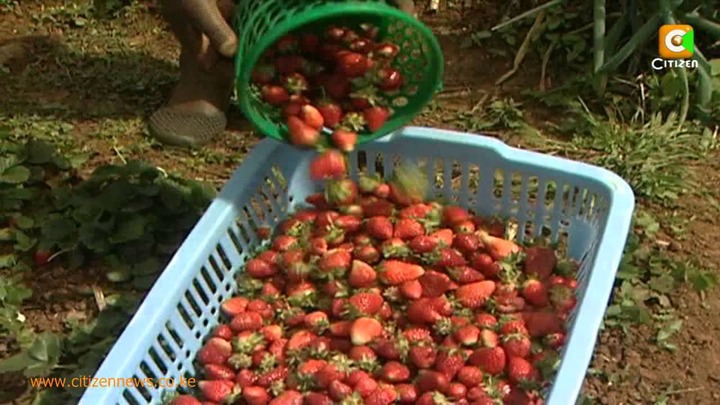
{"x":456,"y":391}
{"x":491,"y":360}
{"x":258,"y":268}
{"x":41,"y":258}
{"x":308,"y":43}
{"x":219,"y":390}
{"x":466,"y":243}
{"x":541,"y":323}
{"x":428,"y":310}
{"x":352,"y":64}
{"x":444,"y":236}
{"x":449,"y":257}
{"x":394,"y":372}
{"x":396,"y":272}
{"x":287,"y":64}
{"x":540,"y":261}
{"x":246,"y":321}
{"x":263,"y":74}
{"x":349,"y":223}
{"x":334,"y":33}
{"x":465,"y":227}
{"x":365,"y":330}
{"x":449,"y":362}
{"x":453,"y":215}
{"x":484,"y":263}
{"x":423,"y":356}
{"x":311,"y":116}
{"x":300,"y":133}
{"x":337,"y":390}
{"x":554,"y":340}
{"x":362,"y":353}
{"x":428,"y":381}
{"x":423,"y":244}
{"x":498,"y":248}
{"x":223,"y":331}
{"x":288,"y":397}
{"x":235,"y":305}
{"x":335,"y":261}
{"x":511,"y":326}
{"x":489,"y":338}
{"x":331,"y":112}
{"x":316,"y":398}
{"x":255,"y":395}
{"x":218,"y":372}
{"x":562,"y":298}
{"x":474,"y":295}
{"x":386,"y":50}
{"x":366,"y":303}
{"x":434,"y":284}
{"x":388,"y":79}
{"x":365,"y":387}
{"x":376,"y":208}
{"x":367,"y":253}
{"x":383,"y":395}
{"x":407,"y":393}
{"x":340,"y":191}
{"x":411,"y":289}
{"x":300,"y":340}
{"x":407,"y":229}
{"x":215,"y":351}
{"x":375,"y":117}
{"x":520,"y":370}
{"x":275,"y":95}
{"x":535,"y":293}
{"x":470,"y":376}
{"x":465,"y":275}
{"x":485,"y":320}
{"x":467,"y":335}
{"x":344,"y":139}
{"x":295,"y":83}
{"x":329,"y":164}
{"x":516,"y":345}
{"x":361,"y":275}
{"x":185,"y":400}
{"x":379,"y":227}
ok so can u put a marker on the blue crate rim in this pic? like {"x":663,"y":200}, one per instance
{"x":147,"y":322}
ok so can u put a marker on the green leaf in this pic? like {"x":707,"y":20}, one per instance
{"x":8,"y":261}
{"x":24,"y":222}
{"x":714,"y":67}
{"x":23,"y":242}
{"x":7,"y":235}
{"x":15,"y":175}
{"x":129,"y":230}
{"x":17,"y":362}
{"x":39,"y":152}
{"x":58,"y":229}
{"x":119,"y":276}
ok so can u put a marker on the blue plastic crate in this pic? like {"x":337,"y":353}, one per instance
{"x":589,"y":206}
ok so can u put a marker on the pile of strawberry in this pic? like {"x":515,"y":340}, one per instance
{"x":338,"y":80}
{"x":372,"y":296}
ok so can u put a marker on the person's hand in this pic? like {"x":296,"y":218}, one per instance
{"x":202,"y":27}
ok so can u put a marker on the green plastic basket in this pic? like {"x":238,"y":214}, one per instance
{"x":260,"y":23}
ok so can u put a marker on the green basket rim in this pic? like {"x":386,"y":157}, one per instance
{"x":245,"y":63}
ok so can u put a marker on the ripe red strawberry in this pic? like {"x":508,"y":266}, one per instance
{"x":474,"y":295}
{"x":466,"y":242}
{"x":498,"y":248}
{"x":376,"y":208}
{"x":300,"y":340}
{"x":223,"y":331}
{"x":365,"y":386}
{"x":484,"y":263}
{"x":221,"y":391}
{"x":311,"y":116}
{"x":467,"y":335}
{"x":423,"y":244}
{"x":365,"y":330}
{"x":383,"y":395}
{"x":259,"y":268}
{"x":520,"y":370}
{"x":423,"y":356}
{"x":309,"y":43}
{"x":360,"y":353}
{"x":246,"y":321}
{"x":563,"y":298}
{"x":366,"y":303}
{"x":394,"y":372}
{"x":330,"y":111}
{"x":465,"y":275}
{"x":288,"y":397}
{"x":367,"y":253}
{"x":428,"y":381}
{"x":411,"y":289}
{"x":407,"y":393}
{"x":341,"y":328}
{"x":287,"y":64}
{"x":490,"y":360}
{"x":255,"y":395}
{"x":215,"y":351}
{"x":329,"y":164}
{"x":456,"y":391}
{"x":300,"y":133}
{"x":396,"y":272}
{"x":541,"y":323}
{"x":386,"y":51}
{"x":275,"y":95}
{"x":335,"y":261}
{"x":344,"y":139}
{"x":337,"y":390}
{"x":235,"y":305}
{"x":361,"y":275}
{"x":389,"y":79}
{"x":489,"y":338}
{"x":407,"y":228}
{"x":516,"y":345}
{"x":218,"y":372}
{"x":434,"y":284}
{"x":540,"y":261}
{"x":470,"y":376}
{"x":41,"y":258}
{"x":465,"y":227}
{"x":340,"y":191}
{"x":375,"y":117}
{"x":379,"y":227}
{"x":353,"y":64}
{"x":453,"y":215}
{"x":450,"y":257}
{"x":535,"y":293}
{"x":277,"y":374}
{"x":449,"y":362}
{"x":428,"y":310}
{"x":316,"y":398}
{"x":185,"y":400}
{"x":295,"y":83}
{"x":246,"y":378}
{"x":513,"y":325}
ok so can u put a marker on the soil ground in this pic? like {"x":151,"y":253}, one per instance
{"x":92,"y":84}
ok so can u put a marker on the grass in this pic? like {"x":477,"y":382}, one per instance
{"x":51,"y":181}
